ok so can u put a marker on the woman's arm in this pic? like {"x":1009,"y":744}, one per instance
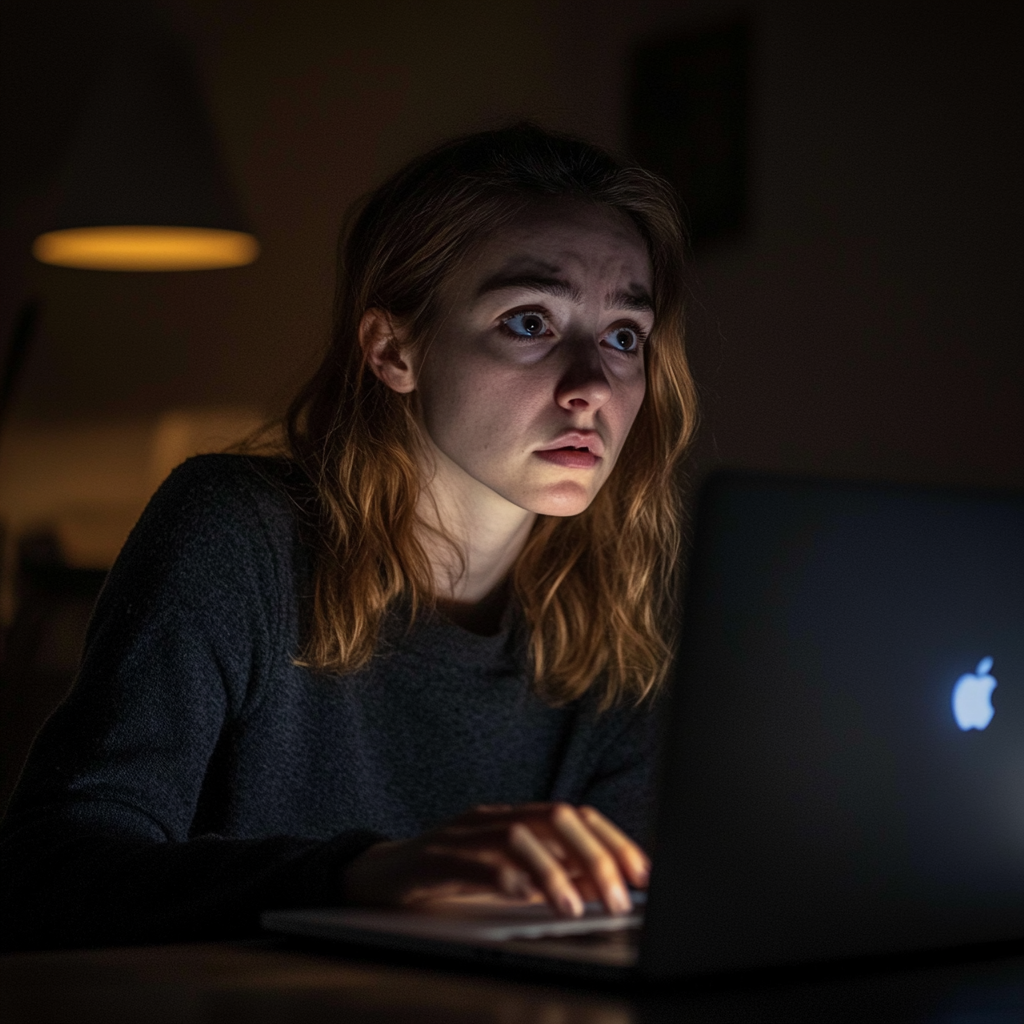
{"x":107,"y":877}
{"x":99,"y":845}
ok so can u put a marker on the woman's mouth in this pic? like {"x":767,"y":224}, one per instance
{"x":570,"y":458}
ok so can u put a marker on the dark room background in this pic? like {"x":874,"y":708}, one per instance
{"x":865,"y":320}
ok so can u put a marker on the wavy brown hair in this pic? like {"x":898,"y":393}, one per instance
{"x":597,"y":589}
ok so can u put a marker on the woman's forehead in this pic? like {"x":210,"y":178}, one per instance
{"x":567,"y":218}
{"x":567,"y":238}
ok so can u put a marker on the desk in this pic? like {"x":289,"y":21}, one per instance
{"x":273,"y":983}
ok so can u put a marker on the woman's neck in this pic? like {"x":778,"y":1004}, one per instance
{"x":488,"y":532}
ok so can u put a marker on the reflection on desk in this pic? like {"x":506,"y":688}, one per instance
{"x":271,"y":983}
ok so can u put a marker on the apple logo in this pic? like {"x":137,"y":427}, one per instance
{"x":972,"y":697}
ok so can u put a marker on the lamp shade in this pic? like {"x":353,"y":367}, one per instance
{"x":144,"y":187}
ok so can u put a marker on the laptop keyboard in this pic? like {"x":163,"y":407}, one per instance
{"x":538,"y":922}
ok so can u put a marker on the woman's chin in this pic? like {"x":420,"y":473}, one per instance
{"x":565,"y":499}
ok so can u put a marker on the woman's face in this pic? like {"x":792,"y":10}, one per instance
{"x":537,"y":370}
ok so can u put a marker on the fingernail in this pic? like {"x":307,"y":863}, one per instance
{"x":622,"y":899}
{"x":570,"y":906}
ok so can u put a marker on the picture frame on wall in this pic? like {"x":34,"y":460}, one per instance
{"x":689,"y":114}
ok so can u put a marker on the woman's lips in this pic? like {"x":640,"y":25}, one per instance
{"x":571,"y":458}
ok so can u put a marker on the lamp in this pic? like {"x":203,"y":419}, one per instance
{"x":143,"y":191}
{"x":144,"y":188}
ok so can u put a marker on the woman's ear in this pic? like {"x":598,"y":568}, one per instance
{"x":386,"y":348}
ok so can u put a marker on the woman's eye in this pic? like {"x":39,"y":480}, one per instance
{"x":526,"y":325}
{"x":625,"y":339}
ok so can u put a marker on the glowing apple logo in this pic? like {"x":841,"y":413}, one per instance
{"x":972,"y":697}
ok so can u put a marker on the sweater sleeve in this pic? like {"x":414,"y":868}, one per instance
{"x":98,"y":844}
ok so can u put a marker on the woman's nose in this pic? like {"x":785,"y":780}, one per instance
{"x":584,"y":384}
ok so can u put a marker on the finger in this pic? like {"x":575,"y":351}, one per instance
{"x":486,"y":831}
{"x":444,"y":868}
{"x":514,"y":882}
{"x":580,"y":877}
{"x":635,"y":864}
{"x":548,"y":875}
{"x":599,"y":861}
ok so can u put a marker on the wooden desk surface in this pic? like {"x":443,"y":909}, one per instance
{"x":272,"y":983}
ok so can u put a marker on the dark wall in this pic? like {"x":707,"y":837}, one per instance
{"x":867,"y":321}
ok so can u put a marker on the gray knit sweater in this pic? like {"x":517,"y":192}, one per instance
{"x":196,"y":776}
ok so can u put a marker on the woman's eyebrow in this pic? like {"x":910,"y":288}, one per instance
{"x":637,"y":301}
{"x":534,"y":282}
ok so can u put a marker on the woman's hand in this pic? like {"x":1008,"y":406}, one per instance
{"x":526,"y":853}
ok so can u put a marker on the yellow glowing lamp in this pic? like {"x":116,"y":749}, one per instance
{"x":144,"y":187}
{"x":138,"y":247}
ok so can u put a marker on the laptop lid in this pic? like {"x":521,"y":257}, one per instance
{"x":834,"y":783}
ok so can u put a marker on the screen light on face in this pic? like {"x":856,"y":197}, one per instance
{"x":144,"y":248}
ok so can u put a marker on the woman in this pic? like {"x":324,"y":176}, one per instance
{"x":410,"y":659}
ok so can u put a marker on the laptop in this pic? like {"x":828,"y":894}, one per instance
{"x":842,"y":766}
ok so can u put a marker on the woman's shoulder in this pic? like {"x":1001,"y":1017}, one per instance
{"x":268,"y":480}
{"x":220,"y":509}
{"x":232,"y":489}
